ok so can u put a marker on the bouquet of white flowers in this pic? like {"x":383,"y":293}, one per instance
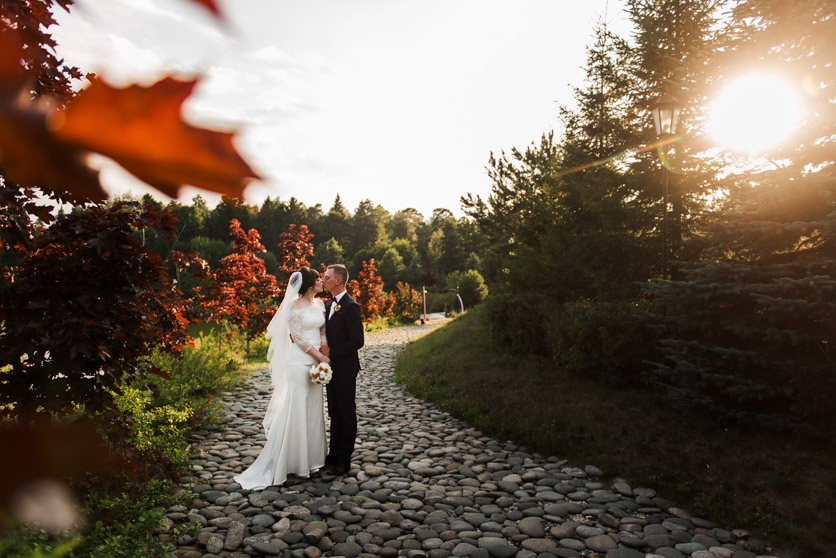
{"x":320,"y":373}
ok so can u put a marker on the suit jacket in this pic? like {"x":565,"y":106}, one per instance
{"x":344,"y":331}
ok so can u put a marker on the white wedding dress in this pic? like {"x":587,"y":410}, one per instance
{"x":294,"y":422}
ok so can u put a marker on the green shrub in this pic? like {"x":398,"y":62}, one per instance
{"x":26,"y":543}
{"x":155,"y":427}
{"x":518,"y":321}
{"x":124,"y":526}
{"x":207,"y":368}
{"x":439,"y":300}
{"x":600,"y":340}
{"x":471,"y":284}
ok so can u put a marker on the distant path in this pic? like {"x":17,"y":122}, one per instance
{"x":425,"y":484}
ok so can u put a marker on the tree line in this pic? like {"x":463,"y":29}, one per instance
{"x":742,"y":324}
{"x":407,"y":247}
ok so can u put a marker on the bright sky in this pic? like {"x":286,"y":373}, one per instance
{"x":397,"y":101}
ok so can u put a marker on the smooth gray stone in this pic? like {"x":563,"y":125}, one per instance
{"x":690,"y":548}
{"x":267,"y":548}
{"x":347,"y":549}
{"x":539,"y":545}
{"x":600,"y":543}
{"x":532,"y":526}
{"x":624,"y":553}
{"x":497,"y":548}
{"x":705,"y":540}
{"x":572,"y":544}
{"x":464,"y":549}
{"x":660,"y":541}
{"x":263,"y":520}
{"x":669,"y":552}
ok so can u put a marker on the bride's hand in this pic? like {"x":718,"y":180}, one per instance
{"x":325,"y":359}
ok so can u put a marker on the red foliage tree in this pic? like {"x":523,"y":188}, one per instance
{"x":352,"y":288}
{"x":241,"y":291}
{"x":406,"y":303}
{"x":386,"y":302}
{"x":370,"y":287}
{"x":293,"y":250}
{"x":87,"y":304}
{"x":198,"y":268}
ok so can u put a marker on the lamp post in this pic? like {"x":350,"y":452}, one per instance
{"x":665,"y":112}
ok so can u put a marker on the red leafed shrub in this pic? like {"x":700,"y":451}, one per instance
{"x":370,"y":287}
{"x":195,"y":266}
{"x":88,"y":303}
{"x":406,"y":303}
{"x":386,"y":303}
{"x":352,"y":288}
{"x":241,"y":291}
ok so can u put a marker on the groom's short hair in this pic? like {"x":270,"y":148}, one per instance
{"x":340,"y":271}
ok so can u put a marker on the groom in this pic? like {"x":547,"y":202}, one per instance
{"x":344,"y":331}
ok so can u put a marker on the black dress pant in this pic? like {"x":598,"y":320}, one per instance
{"x":342,"y":410}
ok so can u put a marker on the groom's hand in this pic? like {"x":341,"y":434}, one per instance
{"x":325,"y":350}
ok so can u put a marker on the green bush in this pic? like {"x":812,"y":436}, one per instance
{"x":518,"y":321}
{"x":471,"y":284}
{"x":439,"y":300}
{"x":152,"y":432}
{"x":600,"y":340}
{"x":155,"y":427}
{"x":207,"y":368}
{"x":125,"y":526}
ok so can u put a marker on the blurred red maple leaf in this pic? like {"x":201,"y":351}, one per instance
{"x":210,"y":5}
{"x":141,"y":128}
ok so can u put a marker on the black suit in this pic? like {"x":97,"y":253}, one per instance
{"x":344,"y":331}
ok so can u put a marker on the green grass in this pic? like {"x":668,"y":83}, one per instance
{"x":777,"y":486}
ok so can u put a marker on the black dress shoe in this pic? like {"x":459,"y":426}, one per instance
{"x":338,"y":470}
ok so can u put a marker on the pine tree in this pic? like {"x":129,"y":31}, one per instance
{"x":749,"y":333}
{"x":674,"y":39}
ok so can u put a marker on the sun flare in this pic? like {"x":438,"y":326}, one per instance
{"x":754,"y":113}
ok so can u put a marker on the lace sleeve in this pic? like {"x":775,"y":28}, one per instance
{"x":295,"y":325}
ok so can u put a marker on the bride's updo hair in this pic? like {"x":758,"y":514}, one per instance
{"x":309,"y":277}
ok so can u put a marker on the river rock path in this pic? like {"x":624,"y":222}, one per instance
{"x":424,"y":484}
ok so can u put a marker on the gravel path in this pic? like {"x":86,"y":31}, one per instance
{"x":425,"y":484}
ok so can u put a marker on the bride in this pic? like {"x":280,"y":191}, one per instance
{"x":294,"y":421}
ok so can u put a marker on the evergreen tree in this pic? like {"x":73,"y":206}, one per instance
{"x":327,"y":253}
{"x":473,"y":262}
{"x":452,"y":256}
{"x":414,"y":272}
{"x":190,"y":218}
{"x":335,"y":224}
{"x":367,"y":226}
{"x":391,"y":267}
{"x":271,"y":220}
{"x":749,"y":332}
{"x":673,"y":40}
{"x":217,"y":221}
{"x":404,"y":224}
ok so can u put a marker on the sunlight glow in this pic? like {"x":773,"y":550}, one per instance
{"x":754,"y":113}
